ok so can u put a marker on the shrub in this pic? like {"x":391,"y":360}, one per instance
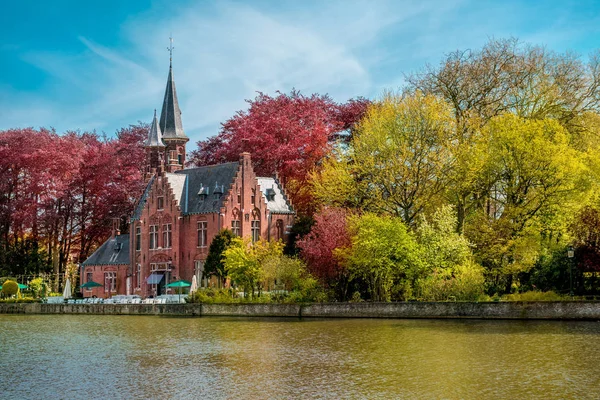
{"x":23,"y":300}
{"x":10,"y":288}
{"x":38,"y":287}
{"x":463,"y":283}
{"x":535,"y":296}
{"x":211,"y":295}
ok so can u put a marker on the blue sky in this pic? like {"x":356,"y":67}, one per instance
{"x":103,"y":64}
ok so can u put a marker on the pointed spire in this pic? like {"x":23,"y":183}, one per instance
{"x":155,"y":136}
{"x":170,"y":116}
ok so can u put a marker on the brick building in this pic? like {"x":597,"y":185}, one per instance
{"x":181,"y":211}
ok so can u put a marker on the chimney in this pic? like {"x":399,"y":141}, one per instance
{"x":116,"y":231}
{"x":245,"y":156}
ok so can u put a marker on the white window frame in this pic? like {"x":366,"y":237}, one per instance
{"x":167,"y":236}
{"x":202,"y":228}
{"x":110,"y":281}
{"x":255,"y":228}
{"x":236,"y":227}
{"x":153,"y":237}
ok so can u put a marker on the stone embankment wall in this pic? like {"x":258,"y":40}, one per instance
{"x":572,"y":310}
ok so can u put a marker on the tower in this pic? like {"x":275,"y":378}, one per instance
{"x":155,"y":147}
{"x":170,"y":124}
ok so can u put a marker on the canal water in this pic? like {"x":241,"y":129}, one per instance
{"x":113,"y":357}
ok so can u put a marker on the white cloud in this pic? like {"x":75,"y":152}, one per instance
{"x":225,"y":52}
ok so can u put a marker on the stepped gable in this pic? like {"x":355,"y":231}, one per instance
{"x":275,"y":198}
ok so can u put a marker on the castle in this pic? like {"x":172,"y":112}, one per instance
{"x":181,"y":211}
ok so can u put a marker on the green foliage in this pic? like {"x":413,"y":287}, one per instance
{"x":301,"y":227}
{"x":38,"y":287}
{"x":535,"y":296}
{"x":212,"y":295}
{"x":452,"y":274}
{"x":462,"y":282}
{"x":20,"y":300}
{"x":214,"y":261}
{"x":399,"y":159}
{"x":10,"y":288}
{"x":245,"y":261}
{"x":442,"y":247}
{"x":383,"y":253}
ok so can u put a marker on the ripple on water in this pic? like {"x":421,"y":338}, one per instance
{"x":74,"y":356}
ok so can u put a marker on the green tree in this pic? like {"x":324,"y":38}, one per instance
{"x":38,"y":287}
{"x":538,"y":179}
{"x":244,"y":262}
{"x":450,"y":269}
{"x":384,"y":254}
{"x":399,"y":160}
{"x":214,"y":264}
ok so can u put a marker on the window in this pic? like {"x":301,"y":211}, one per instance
{"x":153,"y":236}
{"x":239,"y":196}
{"x":279,"y":226}
{"x":110,"y":282}
{"x":236,"y":228}
{"x":138,"y":238}
{"x":89,"y":277}
{"x":255,"y":230}
{"x":253,"y":197}
{"x":138,"y":275}
{"x":167,"y":236}
{"x":160,"y":201}
{"x":180,"y":159}
{"x":202,"y":232}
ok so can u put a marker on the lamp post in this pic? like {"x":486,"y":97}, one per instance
{"x":570,"y":254}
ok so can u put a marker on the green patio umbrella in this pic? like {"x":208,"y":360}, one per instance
{"x":90,"y":284}
{"x":180,"y":284}
{"x":21,"y":286}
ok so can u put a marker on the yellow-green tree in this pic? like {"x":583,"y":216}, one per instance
{"x":244,"y":262}
{"x":538,"y":179}
{"x":384,"y":254}
{"x":399,"y":160}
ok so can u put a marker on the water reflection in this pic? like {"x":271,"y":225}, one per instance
{"x":74,"y":356}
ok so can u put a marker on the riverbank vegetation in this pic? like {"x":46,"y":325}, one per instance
{"x":471,"y":182}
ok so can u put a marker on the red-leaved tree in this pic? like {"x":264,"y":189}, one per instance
{"x":288,"y":134}
{"x":59,"y":193}
{"x":318,"y":248}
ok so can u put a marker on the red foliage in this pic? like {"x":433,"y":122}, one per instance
{"x":317,"y":248}
{"x":286,"y":134}
{"x":63,"y":190}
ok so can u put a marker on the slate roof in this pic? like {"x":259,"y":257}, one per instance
{"x":274,"y":197}
{"x":170,"y":116}
{"x":155,"y":136}
{"x":115,"y":251}
{"x":198,"y":191}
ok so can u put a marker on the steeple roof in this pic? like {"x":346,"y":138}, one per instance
{"x":170,"y":116}
{"x":155,"y":136}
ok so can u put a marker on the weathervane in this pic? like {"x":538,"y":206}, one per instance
{"x":170,"y":48}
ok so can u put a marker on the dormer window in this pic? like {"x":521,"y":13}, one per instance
{"x":218,"y":192}
{"x":203,"y":192}
{"x":270,"y":194}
